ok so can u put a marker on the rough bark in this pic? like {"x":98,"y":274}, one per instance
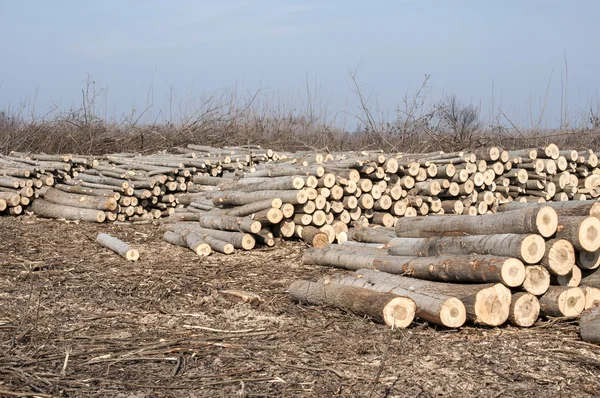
{"x":81,"y":201}
{"x":589,"y":325}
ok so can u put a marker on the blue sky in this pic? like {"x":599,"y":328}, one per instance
{"x":133,"y":48}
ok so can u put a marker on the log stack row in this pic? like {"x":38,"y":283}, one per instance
{"x":516,"y":265}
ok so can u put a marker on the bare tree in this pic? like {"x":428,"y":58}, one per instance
{"x":460,"y":120}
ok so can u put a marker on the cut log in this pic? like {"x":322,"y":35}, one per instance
{"x":389,"y":308}
{"x":527,"y":248}
{"x":539,"y":220}
{"x":583,"y":232}
{"x":118,"y":246}
{"x":370,"y":235}
{"x":174,"y":238}
{"x":487,"y":304}
{"x":592,"y":296}
{"x":268,"y":216}
{"x":237,"y":198}
{"x":524,"y":309}
{"x":563,"y":301}
{"x":537,"y":280}
{"x":559,"y":258}
{"x":44,"y":208}
{"x":229,"y":223}
{"x":81,"y":201}
{"x":197,"y":244}
{"x":588,"y":260}
{"x":572,"y":279}
{"x":589,"y":325}
{"x":436,"y":308}
{"x":314,"y":237}
{"x":239,"y":240}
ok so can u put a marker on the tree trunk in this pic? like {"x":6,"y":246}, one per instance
{"x":174,"y":238}
{"x":255,"y":207}
{"x":537,"y":280}
{"x":197,"y":244}
{"x":487,"y":304}
{"x":539,"y":220}
{"x":389,"y":308}
{"x":527,"y":248}
{"x":524,"y":309}
{"x":592,"y":296}
{"x":118,"y":246}
{"x":562,"y":301}
{"x":237,"y":198}
{"x":44,"y":208}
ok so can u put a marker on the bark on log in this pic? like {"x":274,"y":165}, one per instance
{"x":542,"y":221}
{"x":461,"y":269}
{"x":389,"y":308}
{"x":230,"y":223}
{"x":370,"y":235}
{"x":174,"y":238}
{"x":524,"y":309}
{"x":583,"y":232}
{"x":44,"y":208}
{"x":197,"y":244}
{"x":81,"y":201}
{"x":562,"y":301}
{"x":251,"y":208}
{"x":487,"y":304}
{"x":527,"y":248}
{"x":589,"y":325}
{"x":314,"y":237}
{"x":236,"y":198}
{"x":239,"y":240}
{"x":118,"y":246}
{"x":439,"y":309}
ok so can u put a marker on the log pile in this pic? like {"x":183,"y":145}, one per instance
{"x":512,"y":266}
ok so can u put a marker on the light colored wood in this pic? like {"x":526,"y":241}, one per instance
{"x":524,"y":309}
{"x":563,"y":301}
{"x":118,"y":246}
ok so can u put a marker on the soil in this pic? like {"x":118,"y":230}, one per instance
{"x":78,"y":320}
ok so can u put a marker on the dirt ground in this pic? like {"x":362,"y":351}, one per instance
{"x":77,"y":320}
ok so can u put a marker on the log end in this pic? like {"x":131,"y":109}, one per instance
{"x":571,"y":302}
{"x":248,"y":242}
{"x":589,"y":234}
{"x":228,"y":248}
{"x":255,"y":227}
{"x":400,"y":312}
{"x":561,"y":257}
{"x":525,"y":310}
{"x":547,"y":221}
{"x":132,"y":255}
{"x":592,"y":296}
{"x":492,"y":305}
{"x":453,"y":313}
{"x":537,"y":280}
{"x":533,"y":249}
{"x":572,"y":279}
{"x":588,"y":260}
{"x":513,"y":272}
{"x":203,"y":249}
{"x":320,"y":240}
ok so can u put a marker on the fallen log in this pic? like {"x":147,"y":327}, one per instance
{"x":389,"y":308}
{"x":559,"y":257}
{"x":229,"y":223}
{"x":118,"y":246}
{"x":537,"y":280}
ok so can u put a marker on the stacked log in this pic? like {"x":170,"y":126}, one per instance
{"x":525,"y":262}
